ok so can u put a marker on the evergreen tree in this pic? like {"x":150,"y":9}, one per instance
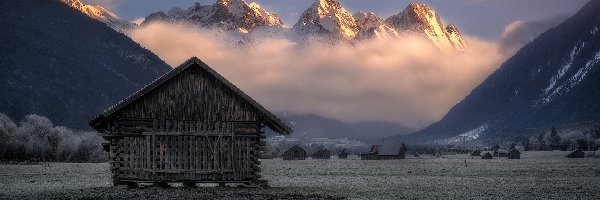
{"x":541,"y":141}
{"x":554,"y":138}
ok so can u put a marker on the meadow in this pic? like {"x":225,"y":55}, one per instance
{"x":538,"y":175}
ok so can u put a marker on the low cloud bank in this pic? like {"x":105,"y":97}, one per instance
{"x":518,"y":33}
{"x":407,"y":81}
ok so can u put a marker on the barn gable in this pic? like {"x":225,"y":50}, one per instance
{"x":191,"y":92}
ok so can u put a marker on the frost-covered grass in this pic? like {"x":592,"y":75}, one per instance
{"x":539,"y":175}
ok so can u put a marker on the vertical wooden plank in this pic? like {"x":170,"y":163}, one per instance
{"x":190,"y":156}
{"x":148,"y":154}
{"x":194,"y":156}
{"x":232,"y":155}
{"x":184,"y":151}
{"x":153,"y":155}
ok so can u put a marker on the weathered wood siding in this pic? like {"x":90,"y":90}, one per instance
{"x":186,"y":157}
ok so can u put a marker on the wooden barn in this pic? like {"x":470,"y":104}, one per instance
{"x":321,"y":154}
{"x":372,"y":154}
{"x":476,"y":153}
{"x":576,"y":154}
{"x":514,"y":154}
{"x":487,"y":155}
{"x":392,"y":151}
{"x":294,"y":153}
{"x":343,"y":154}
{"x":189,"y":126}
{"x":385,"y":152}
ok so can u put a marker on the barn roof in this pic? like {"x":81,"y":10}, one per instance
{"x":270,"y":119}
{"x":295,"y":147}
{"x":389,"y":150}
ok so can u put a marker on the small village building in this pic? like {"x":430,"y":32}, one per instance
{"x":487,"y":155}
{"x":372,"y":154}
{"x":189,"y":126}
{"x":514,"y":154}
{"x":343,"y":154}
{"x":576,"y":154}
{"x":476,"y":153}
{"x":294,"y":153}
{"x":321,"y":154}
{"x":416,"y":154}
{"x":392,"y":151}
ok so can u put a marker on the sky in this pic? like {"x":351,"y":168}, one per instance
{"x":479,"y":18}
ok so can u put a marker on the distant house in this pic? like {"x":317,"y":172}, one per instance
{"x":501,"y":153}
{"x":321,"y":154}
{"x":576,"y":154}
{"x":372,"y":154}
{"x":514,"y":154}
{"x":476,"y":153}
{"x":343,"y":154}
{"x":487,"y":155}
{"x":294,"y":153}
{"x":391,"y":151}
{"x":416,"y":154}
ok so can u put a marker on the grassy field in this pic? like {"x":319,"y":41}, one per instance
{"x":539,"y":175}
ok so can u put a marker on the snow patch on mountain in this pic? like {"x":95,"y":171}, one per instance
{"x":552,"y":90}
{"x":564,"y":68}
{"x":466,"y":136}
{"x":582,"y":72}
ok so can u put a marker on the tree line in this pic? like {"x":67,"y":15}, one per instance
{"x":552,"y":139}
{"x":36,"y":139}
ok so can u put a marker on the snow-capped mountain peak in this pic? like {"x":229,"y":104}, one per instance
{"x":101,"y":14}
{"x":327,"y":16}
{"x":229,"y":15}
{"x":418,"y":18}
{"x":94,"y":11}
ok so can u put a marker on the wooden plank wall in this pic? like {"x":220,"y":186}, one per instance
{"x":186,"y":158}
{"x":214,"y":153}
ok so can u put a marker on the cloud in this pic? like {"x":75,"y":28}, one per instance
{"x":407,"y":81}
{"x":518,"y":33}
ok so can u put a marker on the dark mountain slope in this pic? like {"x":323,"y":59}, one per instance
{"x":552,"y":81}
{"x":59,"y":63}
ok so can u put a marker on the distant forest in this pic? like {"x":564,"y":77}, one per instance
{"x":36,"y":139}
